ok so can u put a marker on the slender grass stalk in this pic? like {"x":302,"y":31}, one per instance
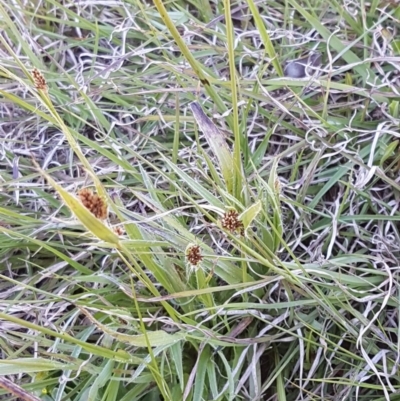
{"x":269,"y":47}
{"x":237,"y":157}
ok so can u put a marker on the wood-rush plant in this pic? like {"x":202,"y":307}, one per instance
{"x":179,"y":220}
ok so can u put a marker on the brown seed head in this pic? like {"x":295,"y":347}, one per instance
{"x":119,"y":230}
{"x":39,"y":80}
{"x":93,"y":203}
{"x":193,"y":255}
{"x":231,"y":221}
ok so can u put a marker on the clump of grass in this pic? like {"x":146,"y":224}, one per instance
{"x":241,"y":239}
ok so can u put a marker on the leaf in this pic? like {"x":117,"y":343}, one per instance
{"x":101,"y":380}
{"x":119,"y":355}
{"x":273,"y":192}
{"x":46,"y":245}
{"x":32,"y":365}
{"x":396,"y":47}
{"x":217,"y":143}
{"x":93,"y":224}
{"x":389,"y":151}
{"x":250,"y":214}
{"x":154,"y":338}
{"x":269,"y":47}
{"x":199,"y":388}
{"x":177,"y":357}
{"x":194,"y":185}
{"x":394,"y":108}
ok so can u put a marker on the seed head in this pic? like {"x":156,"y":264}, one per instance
{"x":119,"y":230}
{"x":93,"y":203}
{"x":39,"y":80}
{"x":193,"y":255}
{"x":231,"y":221}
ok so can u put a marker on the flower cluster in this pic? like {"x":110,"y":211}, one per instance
{"x":119,"y":230}
{"x":231,"y":222}
{"x":93,"y":203}
{"x":39,"y":80}
{"x":193,"y":255}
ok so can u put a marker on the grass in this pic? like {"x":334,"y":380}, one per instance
{"x":180,"y":221}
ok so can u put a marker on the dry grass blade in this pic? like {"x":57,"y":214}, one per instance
{"x":18,"y":391}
